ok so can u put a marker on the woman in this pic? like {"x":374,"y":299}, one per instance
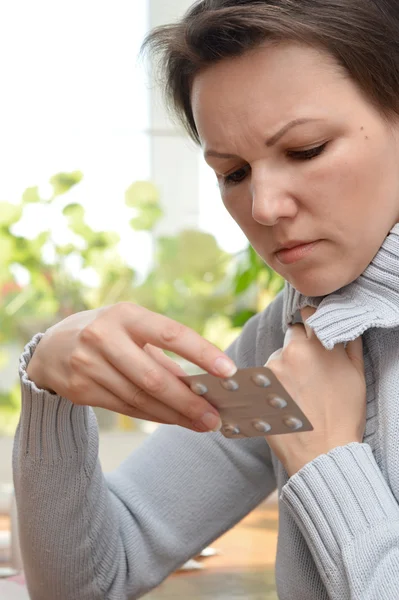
{"x":296,"y":107}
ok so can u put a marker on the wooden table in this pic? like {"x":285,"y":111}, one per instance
{"x":244,"y":570}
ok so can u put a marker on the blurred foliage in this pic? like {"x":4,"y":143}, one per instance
{"x":10,"y":405}
{"x":192,"y":280}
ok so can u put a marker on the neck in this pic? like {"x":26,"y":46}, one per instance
{"x":370,"y":301}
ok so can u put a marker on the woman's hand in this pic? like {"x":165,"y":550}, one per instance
{"x":330,"y":388}
{"x":113,"y":358}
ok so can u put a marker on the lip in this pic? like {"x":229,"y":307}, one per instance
{"x":293,"y":244}
{"x":292,"y":252}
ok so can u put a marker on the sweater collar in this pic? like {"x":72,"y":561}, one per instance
{"x":370,"y":301}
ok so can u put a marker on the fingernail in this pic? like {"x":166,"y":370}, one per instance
{"x":209,"y":422}
{"x":225,"y":367}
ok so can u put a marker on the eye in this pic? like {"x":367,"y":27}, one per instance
{"x":237,"y":176}
{"x":307,"y":154}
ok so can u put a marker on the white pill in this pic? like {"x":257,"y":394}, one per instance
{"x":261,"y":380}
{"x":231,"y":429}
{"x":199,"y":388}
{"x":277,"y":402}
{"x":261,"y":426}
{"x":230,"y":385}
{"x":293,"y":423}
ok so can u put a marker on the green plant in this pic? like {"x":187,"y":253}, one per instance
{"x":192,"y":280}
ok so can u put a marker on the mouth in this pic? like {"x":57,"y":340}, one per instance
{"x":294,"y":251}
{"x":293,"y":244}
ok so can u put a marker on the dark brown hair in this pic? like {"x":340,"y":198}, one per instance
{"x":362,"y":35}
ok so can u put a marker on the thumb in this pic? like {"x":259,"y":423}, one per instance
{"x":354,"y":351}
{"x":274,"y":356}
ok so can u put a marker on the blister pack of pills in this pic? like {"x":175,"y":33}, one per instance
{"x":252,"y":403}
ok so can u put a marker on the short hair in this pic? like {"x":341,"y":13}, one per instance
{"x":362,"y":35}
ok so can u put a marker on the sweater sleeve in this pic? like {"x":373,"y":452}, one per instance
{"x":357,"y":549}
{"x":86,"y":536}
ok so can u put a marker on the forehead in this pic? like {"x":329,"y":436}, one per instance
{"x":265,"y":88}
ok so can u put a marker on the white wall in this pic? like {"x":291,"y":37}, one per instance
{"x":174,"y":159}
{"x":189,"y":189}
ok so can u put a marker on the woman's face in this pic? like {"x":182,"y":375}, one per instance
{"x":300,"y":156}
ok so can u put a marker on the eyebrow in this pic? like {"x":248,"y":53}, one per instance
{"x":219,"y":154}
{"x":275,"y":138}
{"x":270,"y":142}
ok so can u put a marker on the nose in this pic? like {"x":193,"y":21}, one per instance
{"x":272,"y":199}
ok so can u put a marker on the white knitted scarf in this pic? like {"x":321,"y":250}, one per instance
{"x":370,"y":301}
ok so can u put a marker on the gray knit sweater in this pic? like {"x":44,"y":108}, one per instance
{"x":86,"y":536}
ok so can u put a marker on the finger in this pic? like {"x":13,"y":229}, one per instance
{"x":145,"y":327}
{"x":119,"y":386}
{"x":107,"y":400}
{"x":294,"y":332}
{"x":306,"y":313}
{"x":275,"y":356}
{"x":164,"y":360}
{"x":354,"y":350}
{"x":156,"y":381}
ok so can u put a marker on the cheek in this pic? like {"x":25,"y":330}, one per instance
{"x":238,"y":202}
{"x":347,"y":183}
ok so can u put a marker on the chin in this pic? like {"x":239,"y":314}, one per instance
{"x":316,"y":286}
